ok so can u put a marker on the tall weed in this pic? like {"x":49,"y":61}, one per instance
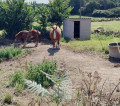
{"x":34,"y":73}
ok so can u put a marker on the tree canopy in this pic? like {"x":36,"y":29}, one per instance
{"x":59,"y":10}
{"x":15,"y":15}
{"x":88,"y":6}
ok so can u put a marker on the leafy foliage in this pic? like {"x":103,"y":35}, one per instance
{"x":42,"y":18}
{"x":2,"y":33}
{"x":58,"y":11}
{"x":15,"y":14}
{"x":34,"y":73}
{"x":36,"y":88}
{"x":88,"y":6}
{"x":61,"y":90}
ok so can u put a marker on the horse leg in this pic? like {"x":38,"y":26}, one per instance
{"x":25,"y":40}
{"x":36,"y":42}
{"x":58,"y":43}
{"x":53,"y":42}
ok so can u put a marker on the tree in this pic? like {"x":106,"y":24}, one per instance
{"x":58,"y":11}
{"x":76,"y":6}
{"x":15,"y":15}
{"x":90,"y":7}
{"x":42,"y":18}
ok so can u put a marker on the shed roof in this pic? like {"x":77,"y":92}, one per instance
{"x":79,"y":18}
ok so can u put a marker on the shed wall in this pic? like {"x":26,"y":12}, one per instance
{"x":85,"y":28}
{"x":68,"y":29}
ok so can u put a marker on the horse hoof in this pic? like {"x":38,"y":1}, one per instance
{"x":23,"y":47}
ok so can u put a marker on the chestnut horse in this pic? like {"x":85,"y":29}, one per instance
{"x":55,"y":34}
{"x":27,"y":35}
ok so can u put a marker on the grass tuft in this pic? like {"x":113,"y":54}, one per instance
{"x":7,"y":99}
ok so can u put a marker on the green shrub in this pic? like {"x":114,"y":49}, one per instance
{"x":34,"y":74}
{"x":0,"y":60}
{"x":105,"y":49}
{"x":7,"y":99}
{"x":64,"y":39}
{"x":17,"y":78}
{"x":10,"y":52}
{"x":2,"y":33}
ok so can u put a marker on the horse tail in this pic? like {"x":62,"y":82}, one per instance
{"x":39,"y":32}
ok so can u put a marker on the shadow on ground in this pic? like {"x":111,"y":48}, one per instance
{"x":52,"y":51}
{"x":114,"y":60}
{"x":29,"y":47}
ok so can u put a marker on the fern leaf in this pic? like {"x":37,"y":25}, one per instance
{"x":36,"y":88}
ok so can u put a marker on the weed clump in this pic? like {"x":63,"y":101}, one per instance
{"x":34,"y":73}
{"x":7,"y":99}
{"x":17,"y":78}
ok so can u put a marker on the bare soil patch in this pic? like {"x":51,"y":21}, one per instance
{"x":73,"y":61}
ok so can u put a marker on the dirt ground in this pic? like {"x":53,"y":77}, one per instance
{"x":73,"y":61}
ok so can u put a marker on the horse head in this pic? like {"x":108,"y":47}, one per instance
{"x":54,"y":31}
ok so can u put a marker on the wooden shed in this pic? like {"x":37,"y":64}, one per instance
{"x":78,"y":28}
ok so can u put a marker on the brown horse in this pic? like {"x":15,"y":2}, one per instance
{"x":27,"y":35}
{"x":55,"y":34}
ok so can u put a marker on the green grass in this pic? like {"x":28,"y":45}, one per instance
{"x":94,"y":44}
{"x":77,"y":16}
{"x":11,"y":52}
{"x":107,"y":25}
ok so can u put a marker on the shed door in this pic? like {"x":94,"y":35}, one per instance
{"x":76,"y":29}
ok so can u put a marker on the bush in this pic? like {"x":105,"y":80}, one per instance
{"x":2,"y":33}
{"x":17,"y":15}
{"x":34,"y":74}
{"x":64,"y":39}
{"x":7,"y":99}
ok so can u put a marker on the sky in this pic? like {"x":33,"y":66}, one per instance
{"x":39,"y":1}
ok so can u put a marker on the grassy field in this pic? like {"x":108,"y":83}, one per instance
{"x":97,"y":42}
{"x":107,"y":25}
{"x":92,"y":18}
